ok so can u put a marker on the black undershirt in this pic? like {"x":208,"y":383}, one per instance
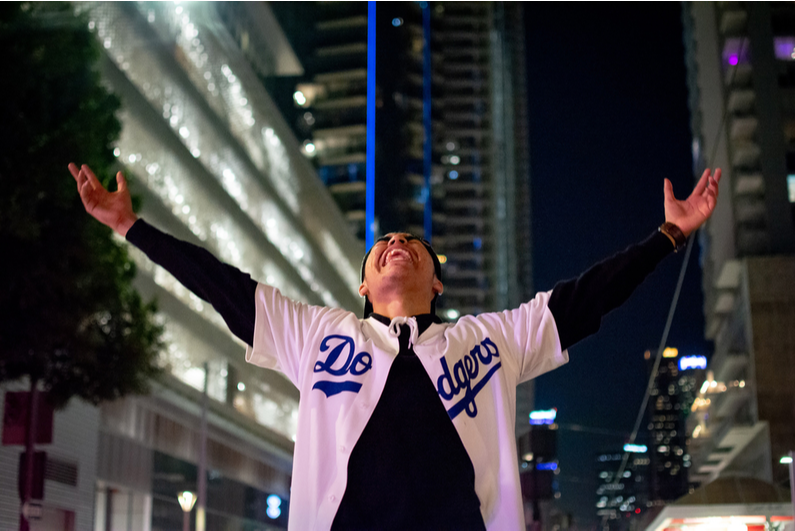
{"x":409,"y":469}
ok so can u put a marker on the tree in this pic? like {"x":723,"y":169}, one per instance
{"x":71,"y":318}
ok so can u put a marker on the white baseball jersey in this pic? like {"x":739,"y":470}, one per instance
{"x":340,"y":364}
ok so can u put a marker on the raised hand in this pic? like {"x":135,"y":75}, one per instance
{"x":113,"y":209}
{"x":691,"y":213}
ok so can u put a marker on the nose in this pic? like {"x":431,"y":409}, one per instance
{"x":397,"y":238}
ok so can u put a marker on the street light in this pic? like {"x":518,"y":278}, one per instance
{"x":186,"y":500}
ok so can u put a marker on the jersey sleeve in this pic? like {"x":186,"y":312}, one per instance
{"x":579,"y":304}
{"x":530,"y":336}
{"x":229,"y":290}
{"x":282,"y":329}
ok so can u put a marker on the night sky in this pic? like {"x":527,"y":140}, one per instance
{"x":609,"y":120}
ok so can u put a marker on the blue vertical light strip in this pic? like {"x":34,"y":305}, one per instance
{"x":369,"y":229}
{"x":426,"y":118}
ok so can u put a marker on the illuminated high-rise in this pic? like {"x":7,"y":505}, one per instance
{"x":741,"y":75}
{"x":214,"y":163}
{"x":671,"y":396}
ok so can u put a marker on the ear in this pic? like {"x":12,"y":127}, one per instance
{"x":438,"y":287}
{"x":363,"y":289}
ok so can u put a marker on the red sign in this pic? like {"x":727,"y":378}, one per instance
{"x":15,"y":418}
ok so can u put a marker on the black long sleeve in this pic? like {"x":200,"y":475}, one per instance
{"x":229,"y":290}
{"x":579,"y":304}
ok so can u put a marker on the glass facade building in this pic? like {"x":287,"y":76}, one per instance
{"x":214,"y":162}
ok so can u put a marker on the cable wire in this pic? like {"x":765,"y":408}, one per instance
{"x":675,"y":300}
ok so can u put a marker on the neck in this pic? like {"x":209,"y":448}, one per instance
{"x":401,"y":308}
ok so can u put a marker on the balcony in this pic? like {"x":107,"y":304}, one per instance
{"x":743,"y":129}
{"x":745,"y":154}
{"x":741,"y":101}
{"x":749,"y":184}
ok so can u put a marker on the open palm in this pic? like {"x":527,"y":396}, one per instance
{"x":691,"y":213}
{"x":113,"y":209}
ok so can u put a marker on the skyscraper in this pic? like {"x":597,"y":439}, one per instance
{"x":619,"y":500}
{"x":480,"y":163}
{"x":741,"y":67}
{"x":672,"y":395}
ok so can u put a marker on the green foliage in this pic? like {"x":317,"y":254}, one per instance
{"x":69,"y":313}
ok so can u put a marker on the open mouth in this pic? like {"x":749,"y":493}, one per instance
{"x":397,"y":255}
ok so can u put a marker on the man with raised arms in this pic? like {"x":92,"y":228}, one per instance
{"x":405,"y":422}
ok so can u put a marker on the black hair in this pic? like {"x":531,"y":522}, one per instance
{"x":437,"y":268}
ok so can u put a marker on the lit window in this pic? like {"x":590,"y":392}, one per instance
{"x":784,"y":48}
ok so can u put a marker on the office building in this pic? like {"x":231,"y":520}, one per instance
{"x":671,"y":397}
{"x":741,"y":73}
{"x":622,"y":493}
{"x":215,"y":164}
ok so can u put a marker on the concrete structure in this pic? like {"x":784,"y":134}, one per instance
{"x":741,"y":67}
{"x":215,"y":164}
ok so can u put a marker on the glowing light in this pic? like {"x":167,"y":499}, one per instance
{"x":543,"y":416}
{"x":309,"y":147}
{"x":450,"y":146}
{"x":785,"y":460}
{"x":704,"y":387}
{"x":455,"y":159}
{"x":241,"y":386}
{"x":442,"y":258}
{"x":299,"y":98}
{"x":635,"y":448}
{"x":791,"y":188}
{"x":528,"y":456}
{"x":274,"y":506}
{"x":692,"y":362}
{"x":733,"y":60}
{"x":186,"y":500}
{"x":397,"y":21}
{"x":547,"y":466}
{"x":183,"y":132}
{"x":116,"y":152}
{"x":453,"y":175}
{"x":452,"y":313}
{"x":670,"y":352}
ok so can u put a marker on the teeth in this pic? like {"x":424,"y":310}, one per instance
{"x":397,"y":254}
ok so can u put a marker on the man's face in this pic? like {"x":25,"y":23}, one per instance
{"x":399,"y":262}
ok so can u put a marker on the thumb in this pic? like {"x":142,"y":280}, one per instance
{"x":121,"y":182}
{"x":668,"y":190}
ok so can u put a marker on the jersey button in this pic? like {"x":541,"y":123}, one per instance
{"x":342,"y":448}
{"x":332,"y":498}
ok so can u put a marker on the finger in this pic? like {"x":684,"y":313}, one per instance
{"x":95,"y":184}
{"x":74,"y":170}
{"x":86,"y":195}
{"x":702,"y":183}
{"x":121,"y":182}
{"x":668,"y":190}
